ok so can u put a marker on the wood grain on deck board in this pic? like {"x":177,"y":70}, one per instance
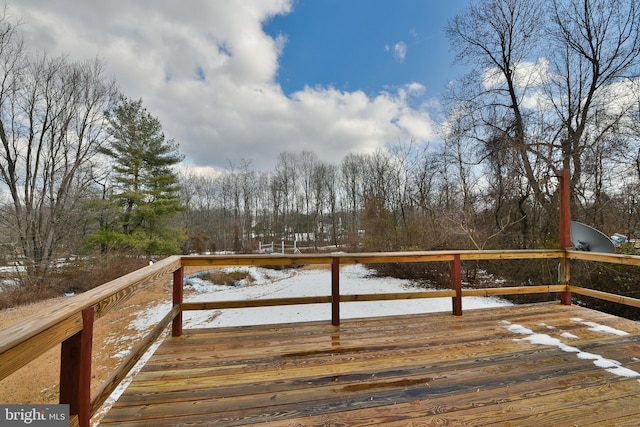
{"x":429,"y":369}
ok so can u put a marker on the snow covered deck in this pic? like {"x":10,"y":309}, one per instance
{"x":538,"y":364}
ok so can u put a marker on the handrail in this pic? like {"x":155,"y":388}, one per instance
{"x":70,"y":323}
{"x":368,"y":257}
{"x":62,"y":323}
{"x":62,"y":320}
{"x":621,"y":259}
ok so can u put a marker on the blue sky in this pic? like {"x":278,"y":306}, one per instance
{"x":352,"y":44}
{"x":235,"y":81}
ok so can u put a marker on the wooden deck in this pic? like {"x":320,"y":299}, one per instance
{"x":423,"y":370}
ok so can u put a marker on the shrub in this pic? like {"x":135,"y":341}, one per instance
{"x":74,"y":277}
{"x":229,"y":278}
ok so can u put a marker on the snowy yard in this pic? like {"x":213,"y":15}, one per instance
{"x":354,"y":279}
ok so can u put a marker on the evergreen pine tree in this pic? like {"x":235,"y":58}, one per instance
{"x":146,"y":187}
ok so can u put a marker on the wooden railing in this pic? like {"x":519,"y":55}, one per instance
{"x":71,"y":323}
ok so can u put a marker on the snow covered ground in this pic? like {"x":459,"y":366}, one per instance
{"x":354,"y":279}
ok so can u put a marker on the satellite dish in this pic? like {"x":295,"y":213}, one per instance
{"x":586,"y":238}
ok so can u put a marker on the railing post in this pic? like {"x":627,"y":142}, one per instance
{"x":565,"y":235}
{"x":178,"y":292}
{"x":456,"y":284}
{"x":335,"y":291}
{"x":75,"y":370}
{"x":565,"y":272}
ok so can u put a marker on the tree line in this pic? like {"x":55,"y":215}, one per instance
{"x":383,"y":201}
{"x":552,"y":85}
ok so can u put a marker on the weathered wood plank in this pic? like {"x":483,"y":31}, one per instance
{"x":367,"y":258}
{"x":603,"y":257}
{"x":515,"y":254}
{"x":423,"y":369}
{"x":419,"y":402}
{"x":469,"y":409}
{"x":243,"y":347}
{"x":616,"y":419}
{"x":271,"y":302}
{"x":513,"y":290}
{"x":18,"y":355}
{"x":253,"y":260}
{"x":103,"y":393}
{"x":265,"y":302}
{"x":412,"y":364}
{"x":525,"y":367}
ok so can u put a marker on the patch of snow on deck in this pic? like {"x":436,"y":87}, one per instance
{"x":612,"y":366}
{"x":596,"y":327}
{"x":568,"y":335}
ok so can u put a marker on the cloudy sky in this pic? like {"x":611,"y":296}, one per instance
{"x":234,"y":80}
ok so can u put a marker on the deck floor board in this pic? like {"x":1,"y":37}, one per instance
{"x":536,"y":364}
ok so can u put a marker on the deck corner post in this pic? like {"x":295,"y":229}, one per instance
{"x":178,"y":294}
{"x":565,"y":279}
{"x":335,"y":291}
{"x":565,"y":236}
{"x":75,"y":370}
{"x":456,"y":284}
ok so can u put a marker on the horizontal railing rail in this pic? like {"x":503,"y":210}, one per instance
{"x":620,"y":259}
{"x":71,"y":323}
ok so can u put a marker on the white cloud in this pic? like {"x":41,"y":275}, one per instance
{"x":208,"y":71}
{"x":527,"y":74}
{"x":529,"y":77}
{"x":618,"y":96}
{"x":400,"y":51}
{"x":411,"y":89}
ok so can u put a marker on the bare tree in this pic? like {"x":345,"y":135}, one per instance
{"x":308,"y":162}
{"x":201,"y":194}
{"x":264,"y":209}
{"x":496,"y":37}
{"x":596,"y":49}
{"x":243,"y":183}
{"x":51,"y":125}
{"x":549,"y":85}
{"x":286,"y":181}
{"x":352,"y":169}
{"x":323,"y":197}
{"x":330,"y":184}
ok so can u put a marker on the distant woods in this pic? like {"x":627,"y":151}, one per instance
{"x":402,"y":198}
